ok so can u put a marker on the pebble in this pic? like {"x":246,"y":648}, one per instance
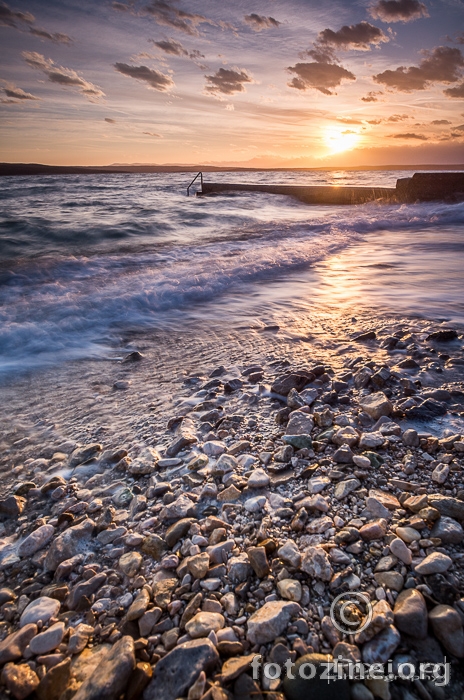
{"x":290,"y":589}
{"x":399,"y":549}
{"x":202,"y":623}
{"x":270,"y":621}
{"x":20,"y":680}
{"x":435,"y":563}
{"x":410,"y":613}
{"x":376,"y":405}
{"x":42,"y":608}
{"x":344,"y":488}
{"x":36,"y":540}
{"x":258,"y":479}
{"x":47,"y":641}
{"x":316,"y":564}
{"x":290,"y":554}
{"x":447,"y":627}
{"x":130,"y":563}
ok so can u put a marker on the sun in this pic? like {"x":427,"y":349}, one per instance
{"x":338,"y":139}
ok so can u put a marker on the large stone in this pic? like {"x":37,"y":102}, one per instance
{"x":176,"y":531}
{"x":290,"y":589}
{"x":239,"y":568}
{"x":42,"y":608}
{"x":258,"y":479}
{"x":13,"y":646}
{"x":374,"y":530}
{"x":379,"y":649}
{"x":399,"y":549}
{"x":447,"y":626}
{"x":74,"y":540}
{"x":290,"y":554}
{"x":258,"y":560}
{"x":390,"y":579}
{"x":20,"y":681}
{"x":180,"y":508}
{"x":36,"y":540}
{"x":202,"y":623}
{"x":176,"y":672}
{"x":139,"y":605}
{"x":84,"y":588}
{"x":448,"y":530}
{"x":284,"y":384}
{"x":84,"y":454}
{"x":145,"y":463}
{"x":446,"y":505}
{"x":130,"y":563}
{"x":110,"y":678}
{"x":198,"y":565}
{"x":299,"y":424}
{"x":316,"y":564}
{"x":305,"y":680}
{"x":12,"y":506}
{"x":344,"y":488}
{"x":48,"y":640}
{"x":376,"y":405}
{"x":435,"y":563}
{"x":411,"y":613}
{"x":55,"y":681}
{"x":371,"y":440}
{"x":163,"y":590}
{"x":270,"y":621}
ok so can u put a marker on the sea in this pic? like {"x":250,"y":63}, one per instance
{"x":86,"y":260}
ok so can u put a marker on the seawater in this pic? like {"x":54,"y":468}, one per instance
{"x":87,"y":259}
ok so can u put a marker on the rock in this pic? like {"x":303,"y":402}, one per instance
{"x":284,"y":384}
{"x":344,"y":488}
{"x":390,"y":579}
{"x":362,"y":462}
{"x":198,"y":565}
{"x":154,"y":546}
{"x":447,"y":627}
{"x":446,"y":505}
{"x":379,"y":649}
{"x":374,"y":530}
{"x":20,"y":681}
{"x":202,"y":623}
{"x":145,"y":463}
{"x":258,"y":479}
{"x":382,"y":617}
{"x":411,"y":438}
{"x":232,"y":668}
{"x":304,"y":684}
{"x":290,"y":589}
{"x":448,"y":530}
{"x":180,"y":508}
{"x":139,"y":605}
{"x":316,"y":564}
{"x":36,"y":540}
{"x":410,"y":613}
{"x":400,"y":550}
{"x":284,"y":454}
{"x":110,"y":678}
{"x":440,"y":473}
{"x":343,"y":455}
{"x":290,"y":554}
{"x":299,"y":424}
{"x":48,"y":640}
{"x":408,"y":534}
{"x":318,"y":484}
{"x":346,"y":436}
{"x":298,"y":442}
{"x":184,"y":439}
{"x":435,"y":563}
{"x":55,"y":681}
{"x":213,"y":448}
{"x":255,"y":505}
{"x":443,"y":336}
{"x":371,"y":440}
{"x":84,"y":588}
{"x":42,"y":608}
{"x":376,"y":509}
{"x":74,"y":540}
{"x":258,"y":561}
{"x":130,"y":563}
{"x":229,"y":495}
{"x":79,"y":638}
{"x":270,"y":621}
{"x":163,"y":590}
{"x":176,"y":531}
{"x":376,"y":405}
{"x":12,"y":506}
{"x":239,"y":569}
{"x":139,"y":680}
{"x":13,"y":646}
{"x":176,"y":672}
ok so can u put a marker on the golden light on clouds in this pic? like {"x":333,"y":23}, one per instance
{"x":339,"y":139}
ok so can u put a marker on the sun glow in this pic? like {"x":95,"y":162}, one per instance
{"x":338,"y":139}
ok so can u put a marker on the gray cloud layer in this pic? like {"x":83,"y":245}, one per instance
{"x":57,"y":38}
{"x":320,"y":76}
{"x":166,"y":14}
{"x":155,"y":79}
{"x":443,"y":64}
{"x":172,"y":47}
{"x":227,"y":81}
{"x":259,"y":22}
{"x":15,"y":94}
{"x":355,"y":36}
{"x":398,"y":10}
{"x":10,"y":18}
{"x":62,"y":76}
{"x":418,"y":137}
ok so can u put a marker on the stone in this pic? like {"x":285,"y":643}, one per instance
{"x":447,"y":627}
{"x":382,"y":617}
{"x":176,"y":672}
{"x":440,"y":473}
{"x":145,"y":463}
{"x":290,"y":554}
{"x":379,"y":649}
{"x":304,"y":683}
{"x":36,"y":540}
{"x":154,"y":546}
{"x":435,"y":563}
{"x":411,"y":438}
{"x":299,"y":424}
{"x":139,"y":605}
{"x":316,"y":564}
{"x":138,"y":681}
{"x":239,"y":568}
{"x":13,"y":646}
{"x":229,"y":495}
{"x":12,"y":506}
{"x":198,"y":565}
{"x":344,"y":488}
{"x":42,"y":608}
{"x":298,"y":442}
{"x":399,"y":549}
{"x":284,"y":454}
{"x":410,"y":613}
{"x":75,"y":540}
{"x":371,"y":440}
{"x":175,"y":532}
{"x":346,"y":436}
{"x":130,"y":563}
{"x":202,"y":623}
{"x":374,"y":530}
{"x":343,"y":455}
{"x":270,"y":621}
{"x":258,"y":479}
{"x":226,"y":463}
{"x":78,"y":638}
{"x":448,"y":530}
{"x":48,"y":640}
{"x":376,"y":509}
{"x":232,"y":668}
{"x":290,"y":589}
{"x":318,"y":484}
{"x":284,"y":384}
{"x":184,"y":439}
{"x":55,"y":681}
{"x":362,"y":462}
{"x":376,"y":405}
{"x":163,"y":590}
{"x":20,"y":680}
{"x":180,"y":508}
{"x":255,"y":505}
{"x":408,"y":534}
{"x":83,"y":454}
{"x":390,"y":579}
{"x":84,"y":588}
{"x":258,"y":561}
{"x":110,"y":678}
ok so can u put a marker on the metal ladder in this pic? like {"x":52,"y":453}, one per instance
{"x":198,"y":175}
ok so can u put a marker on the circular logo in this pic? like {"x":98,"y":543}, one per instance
{"x":351,"y":612}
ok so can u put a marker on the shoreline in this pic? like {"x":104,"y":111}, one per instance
{"x":164,"y":500}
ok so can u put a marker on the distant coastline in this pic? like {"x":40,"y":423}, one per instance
{"x":23,"y":169}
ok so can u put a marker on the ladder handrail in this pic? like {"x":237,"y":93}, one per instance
{"x":200,"y":175}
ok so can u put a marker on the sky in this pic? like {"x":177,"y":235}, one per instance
{"x":263,"y":83}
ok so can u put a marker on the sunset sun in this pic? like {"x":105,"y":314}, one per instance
{"x":339,"y":139}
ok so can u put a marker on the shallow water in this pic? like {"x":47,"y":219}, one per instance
{"x":86,"y":260}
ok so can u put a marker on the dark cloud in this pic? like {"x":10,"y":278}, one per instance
{"x":371,"y":96}
{"x":443,"y":64}
{"x":419,"y":137}
{"x":227,"y":81}
{"x":172,"y":47}
{"x":398,"y":117}
{"x":321,"y":54}
{"x":62,"y":76}
{"x":110,"y":121}
{"x":459,"y":128}
{"x":155,"y":79}
{"x":374,"y":121}
{"x":440,"y":122}
{"x":57,"y":38}
{"x":10,"y":18}
{"x":319,"y":76}
{"x":355,"y":36}
{"x":166,"y":14}
{"x":152,"y":133}
{"x":16,"y":94}
{"x":457,"y":91}
{"x":398,"y":10}
{"x":259,"y":22}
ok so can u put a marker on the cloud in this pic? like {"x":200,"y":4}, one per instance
{"x":15,"y":94}
{"x":259,"y":22}
{"x":57,"y":38}
{"x":121,"y":7}
{"x":155,"y":79}
{"x":110,"y":121}
{"x":398,"y":117}
{"x":419,"y":137}
{"x":172,"y":47}
{"x":355,"y":36}
{"x":440,"y":122}
{"x":9,"y":18}
{"x":227,"y":81}
{"x":443,"y":64}
{"x":62,"y":76}
{"x":319,"y":76}
{"x":372,"y":96}
{"x":152,"y":133}
{"x":398,"y":10}
{"x":459,"y":128}
{"x":166,"y":14}
{"x":374,"y":121}
{"x":457,"y":91}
